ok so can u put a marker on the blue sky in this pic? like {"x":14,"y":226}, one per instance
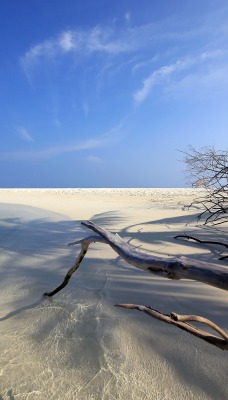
{"x":103,"y":93}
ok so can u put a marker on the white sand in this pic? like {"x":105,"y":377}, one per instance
{"x":78,"y":345}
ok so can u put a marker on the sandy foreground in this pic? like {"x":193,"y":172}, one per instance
{"x":77,"y":345}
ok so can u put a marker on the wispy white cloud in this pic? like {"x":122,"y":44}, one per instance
{"x":144,"y":63}
{"x":127,"y":16}
{"x":114,"y":41}
{"x":79,"y":42}
{"x":55,"y":150}
{"x":105,"y":140}
{"x":24,"y":134}
{"x":158,"y":76}
{"x":106,"y":40}
{"x":67,"y":41}
{"x":212,"y":54}
{"x":94,"y":159}
{"x":115,"y":44}
{"x":207,"y":66}
{"x":47,"y":49}
{"x":111,"y":42}
{"x":212,"y":81}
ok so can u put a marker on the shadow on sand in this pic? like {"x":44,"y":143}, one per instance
{"x":29,"y":239}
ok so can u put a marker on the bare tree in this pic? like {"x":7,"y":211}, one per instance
{"x":207,"y":168}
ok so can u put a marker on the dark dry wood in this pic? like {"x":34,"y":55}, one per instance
{"x":84,"y":247}
{"x":203,"y":242}
{"x":180,"y":321}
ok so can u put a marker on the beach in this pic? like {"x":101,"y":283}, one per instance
{"x":78,"y":345}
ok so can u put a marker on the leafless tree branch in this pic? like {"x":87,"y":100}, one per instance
{"x":208,"y":168}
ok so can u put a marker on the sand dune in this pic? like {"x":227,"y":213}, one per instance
{"x":77,"y":345}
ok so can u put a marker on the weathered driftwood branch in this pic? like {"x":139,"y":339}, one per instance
{"x":180,"y":321}
{"x":172,"y":268}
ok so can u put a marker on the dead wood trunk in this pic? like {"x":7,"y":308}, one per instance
{"x":172,"y":268}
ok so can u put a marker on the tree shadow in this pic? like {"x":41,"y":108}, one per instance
{"x":10,"y":394}
{"x":168,"y":228}
{"x":29,"y":233}
{"x":76,"y":316}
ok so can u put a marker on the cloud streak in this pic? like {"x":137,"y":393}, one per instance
{"x":55,"y":150}
{"x":158,"y":76}
{"x":108,"y":139}
{"x":94,"y":160}
{"x":205,"y":67}
{"x":106,"y":40}
{"x":111,"y":40}
{"x":81,"y":43}
{"x":112,"y":43}
{"x":25,"y":135}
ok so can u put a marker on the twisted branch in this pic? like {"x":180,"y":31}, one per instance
{"x":180,"y":321}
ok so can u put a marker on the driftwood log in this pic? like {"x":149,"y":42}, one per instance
{"x":172,"y":268}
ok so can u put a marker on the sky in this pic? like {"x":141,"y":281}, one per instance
{"x":107,"y":93}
